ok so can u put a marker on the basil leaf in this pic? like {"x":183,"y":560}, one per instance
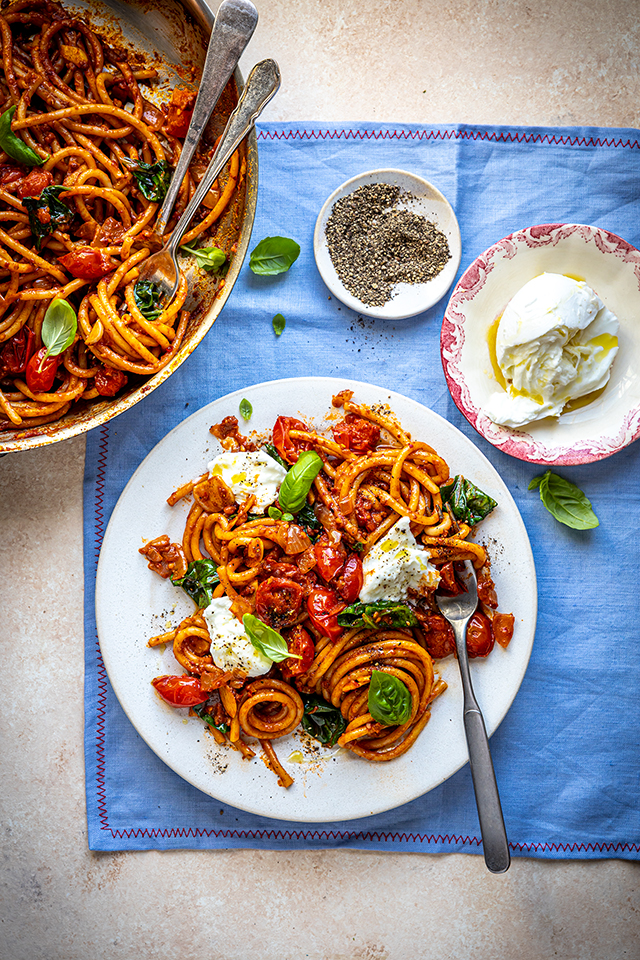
{"x":273,"y":453}
{"x":47,"y":213}
{"x":566,"y":502}
{"x":209,"y":258}
{"x":297,"y":483}
{"x":274,"y":255}
{"x":322,"y":721}
{"x":278,"y":323}
{"x":380,"y":613}
{"x":199,"y":710}
{"x":199,"y":582}
{"x":13,"y":146}
{"x":147,"y":297}
{"x":58,"y":327}
{"x":389,"y":699}
{"x":246,"y":409}
{"x":267,"y":640}
{"x":276,"y":514}
{"x":153,"y":179}
{"x":467,"y":503}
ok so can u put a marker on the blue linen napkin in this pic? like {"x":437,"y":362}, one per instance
{"x":567,"y":756}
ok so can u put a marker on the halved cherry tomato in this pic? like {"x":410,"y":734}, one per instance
{"x":356,"y":434}
{"x":449,"y":581}
{"x":349,"y":583}
{"x":278,"y":601}
{"x":502,"y":627}
{"x":41,"y":372}
{"x":300,"y":643}
{"x":438,"y":635}
{"x":479,"y":636}
{"x":87,"y":263}
{"x":17,"y":352}
{"x":323,"y":606}
{"x":180,"y":691}
{"x":289,"y":449}
{"x":330,"y":557}
{"x":108,"y":381}
{"x":10,"y":173}
{"x":33,"y":184}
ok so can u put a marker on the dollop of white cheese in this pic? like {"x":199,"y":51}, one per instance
{"x":556,"y":342}
{"x":247,"y":473}
{"x":396,"y":564}
{"x":230,"y":646}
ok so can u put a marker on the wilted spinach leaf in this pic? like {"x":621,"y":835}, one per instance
{"x":200,"y":708}
{"x":380,"y":613}
{"x":153,"y":179}
{"x":466,"y":501}
{"x":322,"y":721}
{"x":47,"y":213}
{"x":147,"y":297}
{"x":199,"y":581}
{"x":273,"y":453}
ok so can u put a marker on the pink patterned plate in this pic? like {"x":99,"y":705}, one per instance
{"x":611,"y":266}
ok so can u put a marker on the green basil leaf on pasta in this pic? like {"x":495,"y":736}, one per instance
{"x":59,"y":327}
{"x":246,"y":409}
{"x":466,"y":502}
{"x":266,"y":640}
{"x":57,"y":216}
{"x":147,"y":296}
{"x":199,"y":581}
{"x":209,"y":258}
{"x":13,"y":146}
{"x":566,"y":502}
{"x":389,"y":700}
{"x":380,"y":613}
{"x":274,"y":255}
{"x":278,"y":323}
{"x":322,"y":721}
{"x":297,"y":483}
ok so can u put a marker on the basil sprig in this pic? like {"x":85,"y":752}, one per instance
{"x":209,"y":258}
{"x":58,"y":215}
{"x":389,"y":700}
{"x":276,"y":514}
{"x":199,"y":581}
{"x":58,"y":327}
{"x":322,"y":721}
{"x":147,"y":297}
{"x":566,"y":502}
{"x":274,"y":255}
{"x":297,"y":483}
{"x":467,"y":503}
{"x":153,"y":179}
{"x":13,"y":146}
{"x":380,"y":613}
{"x":267,"y":640}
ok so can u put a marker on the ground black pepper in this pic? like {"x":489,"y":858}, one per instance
{"x":374,"y":244}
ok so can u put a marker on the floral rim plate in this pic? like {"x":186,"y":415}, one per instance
{"x":132,"y":604}
{"x":611,"y":266}
{"x":408,"y":299}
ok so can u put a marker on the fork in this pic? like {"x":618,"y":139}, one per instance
{"x":162,"y":268}
{"x":458,"y":611}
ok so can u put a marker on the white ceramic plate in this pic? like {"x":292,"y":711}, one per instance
{"x":133,"y":604}
{"x":611,"y":266}
{"x":408,"y":299}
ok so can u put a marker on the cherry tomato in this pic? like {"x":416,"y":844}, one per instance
{"x":356,"y":434}
{"x":323,"y":606}
{"x":479,"y":636}
{"x":41,"y":372}
{"x":438,"y":636}
{"x":180,"y":112}
{"x":180,"y":691}
{"x":502,"y":627}
{"x":330,"y":557}
{"x":108,"y":381}
{"x":33,"y":184}
{"x":349,"y":583}
{"x":289,"y":449}
{"x":17,"y":352}
{"x":449,"y":581}
{"x":87,"y":263}
{"x":300,"y":643}
{"x":278,"y":601}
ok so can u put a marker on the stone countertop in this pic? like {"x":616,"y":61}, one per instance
{"x":420,"y":61}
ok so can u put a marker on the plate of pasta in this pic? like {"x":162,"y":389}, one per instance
{"x":265,"y":598}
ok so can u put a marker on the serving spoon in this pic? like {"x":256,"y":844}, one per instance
{"x":458,"y":611}
{"x":233,"y":28}
{"x":162,"y":268}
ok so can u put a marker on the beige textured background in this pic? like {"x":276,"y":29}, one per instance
{"x":492,"y":61}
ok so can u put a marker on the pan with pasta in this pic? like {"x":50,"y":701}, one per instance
{"x":92,"y":122}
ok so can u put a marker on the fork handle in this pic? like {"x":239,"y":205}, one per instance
{"x":492,"y":828}
{"x":233,"y":28}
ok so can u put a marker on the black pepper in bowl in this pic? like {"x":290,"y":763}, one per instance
{"x":374,"y":244}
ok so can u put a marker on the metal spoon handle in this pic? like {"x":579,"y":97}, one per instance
{"x":262,"y":83}
{"x":233,"y":28}
{"x":492,"y":828}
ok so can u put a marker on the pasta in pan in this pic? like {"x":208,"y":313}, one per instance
{"x":85,"y":162}
{"x":313,"y":559}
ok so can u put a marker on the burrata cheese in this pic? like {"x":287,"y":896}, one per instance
{"x":247,"y":473}
{"x":230,"y":645}
{"x":396,"y":564}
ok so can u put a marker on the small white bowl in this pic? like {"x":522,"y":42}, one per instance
{"x":407,"y":299}
{"x":611,"y":267}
